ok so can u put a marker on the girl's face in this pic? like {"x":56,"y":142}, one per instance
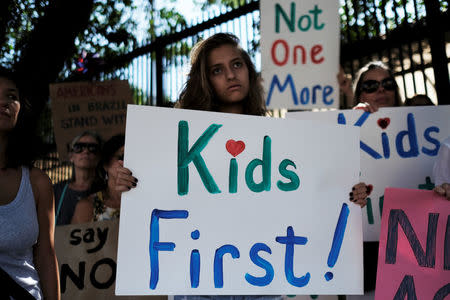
{"x":9,"y":104}
{"x":85,"y":153}
{"x":228,"y":74}
{"x":378,"y":88}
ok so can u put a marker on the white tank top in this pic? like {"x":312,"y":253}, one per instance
{"x":19,"y":230}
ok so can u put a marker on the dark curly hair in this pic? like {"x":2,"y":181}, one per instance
{"x":198,"y":92}
{"x":23,"y":145}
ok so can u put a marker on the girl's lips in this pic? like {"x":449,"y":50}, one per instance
{"x":234,"y":87}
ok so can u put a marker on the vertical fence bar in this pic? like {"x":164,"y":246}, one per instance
{"x":400,"y":49}
{"x":159,"y":75}
{"x":438,"y":54}
{"x":412,"y":66}
{"x":420,"y":50}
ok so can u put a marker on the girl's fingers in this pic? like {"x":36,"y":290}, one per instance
{"x":122,"y":170}
{"x":440,"y":190}
{"x":443,"y":190}
{"x":361,"y":202}
{"x":359,"y":194}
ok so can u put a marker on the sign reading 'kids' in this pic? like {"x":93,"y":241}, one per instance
{"x":231,"y":204}
{"x":300,"y":53}
{"x":398,"y":148}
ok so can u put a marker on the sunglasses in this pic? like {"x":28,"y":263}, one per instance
{"x":79,"y":147}
{"x":371,"y":86}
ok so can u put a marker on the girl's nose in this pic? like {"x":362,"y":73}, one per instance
{"x":230,"y":74}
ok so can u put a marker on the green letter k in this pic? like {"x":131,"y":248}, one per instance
{"x":185,"y":157}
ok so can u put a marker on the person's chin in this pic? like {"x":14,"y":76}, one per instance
{"x":384,"y":103}
{"x":233,"y":99}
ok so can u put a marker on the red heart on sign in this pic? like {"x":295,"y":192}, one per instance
{"x":235,"y":147}
{"x":384,"y":122}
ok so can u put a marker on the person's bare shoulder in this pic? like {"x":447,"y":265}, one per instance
{"x":39,"y":177}
{"x":41,"y":184}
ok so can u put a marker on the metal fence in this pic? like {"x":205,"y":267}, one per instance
{"x":397,"y":32}
{"x":408,"y":35}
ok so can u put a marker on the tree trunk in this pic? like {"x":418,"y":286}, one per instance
{"x":49,"y":46}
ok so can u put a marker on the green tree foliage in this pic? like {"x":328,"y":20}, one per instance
{"x":107,"y":32}
{"x":42,"y":39}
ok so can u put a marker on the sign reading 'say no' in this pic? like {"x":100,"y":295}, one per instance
{"x":230,"y":204}
{"x":300,"y":53}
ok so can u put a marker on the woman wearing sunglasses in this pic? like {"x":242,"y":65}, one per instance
{"x":105,"y":204}
{"x":376,"y":87}
{"x":84,"y":155}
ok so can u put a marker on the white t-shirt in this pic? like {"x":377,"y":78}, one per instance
{"x":441,"y":169}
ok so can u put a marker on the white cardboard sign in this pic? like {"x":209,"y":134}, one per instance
{"x":398,"y":149}
{"x":300,"y":53}
{"x":255,"y":216}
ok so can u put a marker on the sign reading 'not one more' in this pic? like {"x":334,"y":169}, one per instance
{"x":300,"y":53}
{"x":231,"y":204}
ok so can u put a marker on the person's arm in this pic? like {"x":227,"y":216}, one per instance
{"x":44,"y":250}
{"x":345,"y":84}
{"x":84,"y":211}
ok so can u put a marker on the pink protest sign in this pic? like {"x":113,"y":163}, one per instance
{"x":414,"y":255}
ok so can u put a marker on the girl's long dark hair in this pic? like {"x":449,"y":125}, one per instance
{"x":198,"y":92}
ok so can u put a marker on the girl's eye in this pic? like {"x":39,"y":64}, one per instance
{"x":216,"y":71}
{"x":13,"y":97}
{"x":237,"y":64}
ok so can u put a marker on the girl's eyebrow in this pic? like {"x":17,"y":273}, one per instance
{"x":237,"y":58}
{"x":216,"y":65}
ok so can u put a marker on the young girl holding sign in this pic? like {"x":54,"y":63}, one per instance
{"x":223,"y":79}
{"x":28,"y":266}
